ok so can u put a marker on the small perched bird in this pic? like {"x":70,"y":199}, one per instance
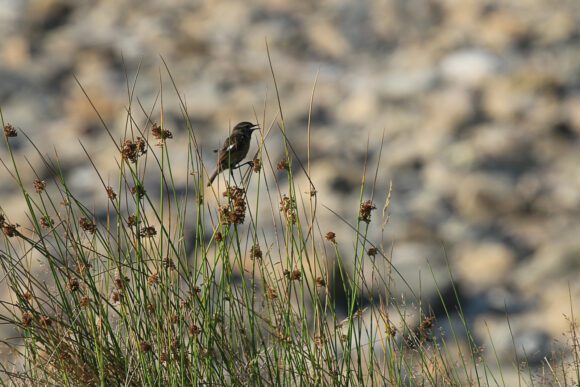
{"x":235,"y":148}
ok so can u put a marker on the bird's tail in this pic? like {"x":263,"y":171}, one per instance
{"x":213,"y":176}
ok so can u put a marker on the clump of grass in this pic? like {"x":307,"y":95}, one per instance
{"x":130,"y":299}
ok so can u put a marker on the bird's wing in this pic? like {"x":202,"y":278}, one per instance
{"x":230,"y":145}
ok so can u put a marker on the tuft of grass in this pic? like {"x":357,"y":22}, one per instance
{"x":236,"y":285}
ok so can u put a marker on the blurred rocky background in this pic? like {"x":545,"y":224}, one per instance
{"x":478,"y":101}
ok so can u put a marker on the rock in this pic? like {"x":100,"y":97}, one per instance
{"x":483,"y":265}
{"x":485,"y":197}
{"x":504,"y":341}
{"x":470,"y":67}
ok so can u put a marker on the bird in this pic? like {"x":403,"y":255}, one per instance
{"x":235,"y":148}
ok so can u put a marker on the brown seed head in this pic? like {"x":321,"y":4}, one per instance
{"x":72,"y":285}
{"x":283,"y":165}
{"x":219,"y":237}
{"x":88,"y":225}
{"x":271,"y":293}
{"x":131,"y":151}
{"x":144,"y":346}
{"x":295,"y":275}
{"x":110,"y":193}
{"x":84,"y":301}
{"x":169,"y":264}
{"x":10,"y":230}
{"x":372,"y":251}
{"x":194,"y":330}
{"x":46,"y":221}
{"x":26,"y":319}
{"x":331,"y":237}
{"x":138,"y":191}
{"x":235,"y":211}
{"x":288,"y":208}
{"x":132,"y":221}
{"x":320,"y":282}
{"x":256,"y":252}
{"x":160,"y":134}
{"x":153,"y":279}
{"x":120,"y":282}
{"x":39,"y":185}
{"x":148,"y":232}
{"x":256,"y":165}
{"x":116,"y":296}
{"x":9,"y":131}
{"x":365,"y":211}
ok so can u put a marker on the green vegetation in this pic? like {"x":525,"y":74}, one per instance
{"x":192,"y":288}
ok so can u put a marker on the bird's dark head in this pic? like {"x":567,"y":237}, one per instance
{"x":246,"y":127}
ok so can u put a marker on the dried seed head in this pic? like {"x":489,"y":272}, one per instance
{"x":295,"y":275}
{"x":320,"y":282}
{"x":110,"y":193}
{"x":256,"y":165}
{"x":144,"y":346}
{"x":82,"y":268}
{"x":169,"y":264}
{"x":390,"y":329}
{"x":372,"y":251}
{"x":330,"y":236}
{"x":138,"y":191}
{"x":425,"y":327}
{"x":153,"y":279}
{"x":283,"y":165}
{"x":26,"y":319}
{"x":132,"y":221}
{"x":235,"y":211}
{"x":194,"y":330}
{"x":84,"y":301}
{"x":151,"y":307}
{"x":116,"y":296}
{"x":9,"y":131}
{"x":256,"y":252}
{"x":163,"y":357}
{"x":88,"y":225}
{"x":120,"y":282}
{"x":271,"y":293}
{"x":131,"y":151}
{"x":365,"y":211}
{"x":10,"y":230}
{"x":288,"y":208}
{"x":27,"y":296}
{"x":286,"y":273}
{"x":39,"y":185}
{"x":160,"y":134}
{"x":72,"y":285}
{"x":219,"y":237}
{"x":148,"y":232}
{"x":46,"y":221}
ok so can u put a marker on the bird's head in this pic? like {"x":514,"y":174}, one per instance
{"x":245,"y":127}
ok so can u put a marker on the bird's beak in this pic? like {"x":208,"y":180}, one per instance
{"x":255,"y":127}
